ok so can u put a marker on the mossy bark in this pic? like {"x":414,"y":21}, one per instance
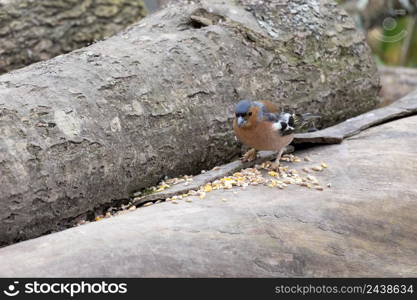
{"x":32,"y":31}
{"x":87,"y":128}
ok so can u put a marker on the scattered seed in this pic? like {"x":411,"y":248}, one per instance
{"x":273,"y":173}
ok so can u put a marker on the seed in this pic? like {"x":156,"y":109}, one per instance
{"x":324,"y":165}
{"x":174,"y":202}
{"x":312,"y":178}
{"x":306,"y":170}
{"x":208,"y":188}
{"x":228,"y":186}
{"x":188,"y":200}
{"x":319,"y":188}
{"x":317,"y":168}
{"x":307,"y":158}
{"x":273,"y":173}
{"x":146,"y":204}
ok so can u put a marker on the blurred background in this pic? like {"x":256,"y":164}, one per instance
{"x":390,"y":27}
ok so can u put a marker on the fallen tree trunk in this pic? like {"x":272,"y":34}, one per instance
{"x":364,"y":225}
{"x":31,"y":31}
{"x":396,"y":82}
{"x":88,"y":128}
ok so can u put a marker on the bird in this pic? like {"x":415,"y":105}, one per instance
{"x":262,"y":126}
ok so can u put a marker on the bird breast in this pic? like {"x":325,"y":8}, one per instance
{"x":263,"y":137}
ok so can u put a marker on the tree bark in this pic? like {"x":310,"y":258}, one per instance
{"x":87,"y":128}
{"x":364,"y":225}
{"x":31,"y":31}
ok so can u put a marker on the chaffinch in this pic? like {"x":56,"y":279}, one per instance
{"x":261,"y":126}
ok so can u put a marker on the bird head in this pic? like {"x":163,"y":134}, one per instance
{"x":245,"y":113}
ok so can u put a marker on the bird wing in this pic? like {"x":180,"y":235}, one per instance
{"x":283,"y":122}
{"x":269,"y":112}
{"x":270,"y":107}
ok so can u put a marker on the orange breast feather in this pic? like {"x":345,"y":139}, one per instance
{"x":262,"y":136}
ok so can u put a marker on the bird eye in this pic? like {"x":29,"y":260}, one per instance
{"x":250,"y":113}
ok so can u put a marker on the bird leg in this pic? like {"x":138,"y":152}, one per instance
{"x":275,"y":164}
{"x":250,"y":155}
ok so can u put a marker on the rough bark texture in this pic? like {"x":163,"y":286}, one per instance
{"x":89,"y":127}
{"x":364,"y":225}
{"x":34,"y":30}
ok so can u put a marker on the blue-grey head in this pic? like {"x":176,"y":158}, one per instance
{"x":243,"y":112}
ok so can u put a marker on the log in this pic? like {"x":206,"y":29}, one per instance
{"x":32,"y":31}
{"x":396,"y":83}
{"x":402,"y":108}
{"x":84,"y":130}
{"x":364,"y":225}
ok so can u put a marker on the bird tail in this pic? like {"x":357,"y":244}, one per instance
{"x":306,"y":120}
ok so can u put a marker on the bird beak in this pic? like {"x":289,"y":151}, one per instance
{"x":240,"y":121}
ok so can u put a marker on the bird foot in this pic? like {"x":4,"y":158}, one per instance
{"x":274,"y":166}
{"x":250,"y":155}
